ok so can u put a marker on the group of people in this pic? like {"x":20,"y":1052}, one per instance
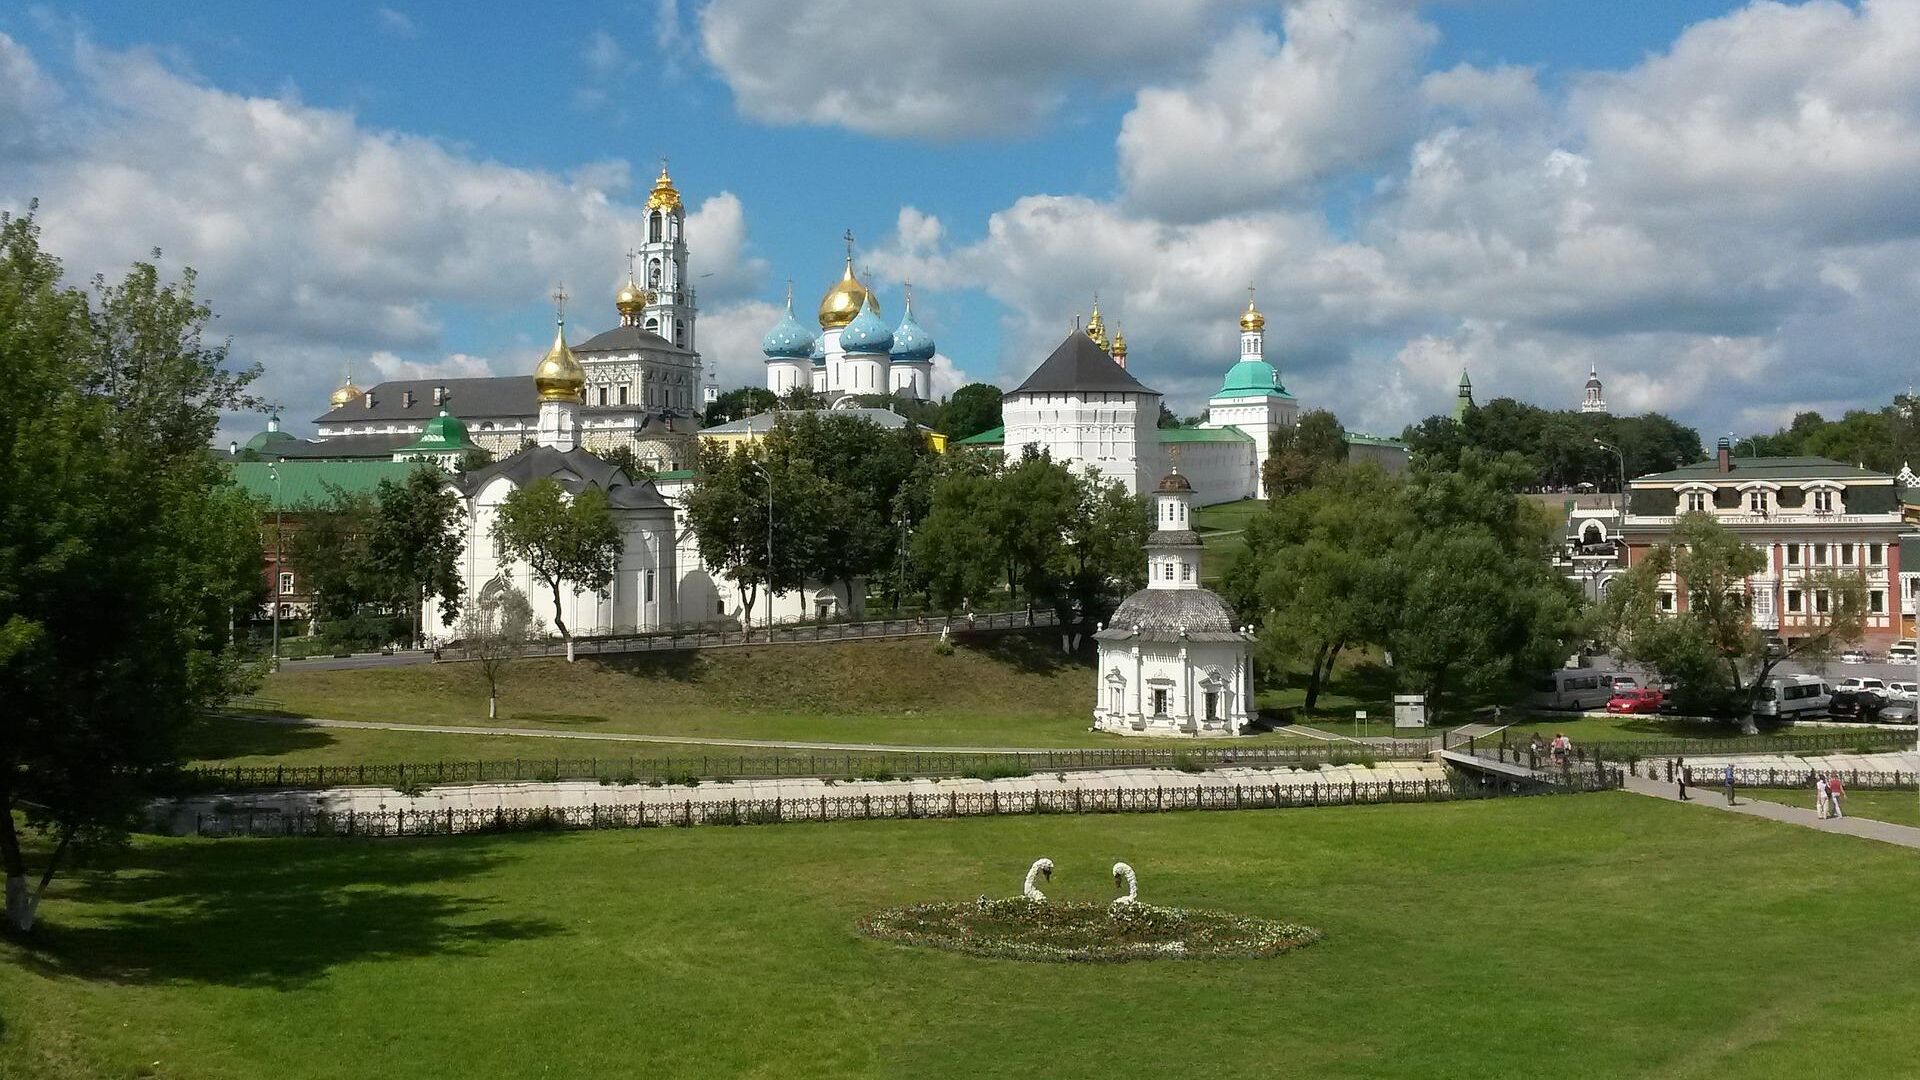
{"x":1828,"y":794}
{"x":1560,"y":750}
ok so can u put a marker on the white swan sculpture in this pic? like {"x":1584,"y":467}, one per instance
{"x":1040,"y":868}
{"x":1123,"y":875}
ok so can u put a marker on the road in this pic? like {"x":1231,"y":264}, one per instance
{"x":358,"y":660}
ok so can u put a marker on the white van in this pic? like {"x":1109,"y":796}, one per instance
{"x":1572,"y":688}
{"x":1792,"y":695}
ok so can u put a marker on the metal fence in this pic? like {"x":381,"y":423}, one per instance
{"x":861,"y":766}
{"x":786,"y":633}
{"x":1858,"y":739}
{"x":954,"y":804}
{"x":1714,"y":776}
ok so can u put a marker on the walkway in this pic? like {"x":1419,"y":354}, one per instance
{"x":1903,"y":835}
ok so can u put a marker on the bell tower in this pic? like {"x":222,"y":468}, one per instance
{"x":663,"y":265}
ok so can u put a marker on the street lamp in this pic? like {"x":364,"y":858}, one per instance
{"x":273,"y":470}
{"x":763,"y":471}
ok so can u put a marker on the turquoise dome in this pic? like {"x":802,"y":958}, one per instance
{"x":1251,"y":378}
{"x":911,"y":344}
{"x":788,"y":340}
{"x":866,"y":335}
{"x":819,"y":353}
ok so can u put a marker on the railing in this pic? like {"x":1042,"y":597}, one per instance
{"x":1775,"y":518}
{"x":954,"y":804}
{"x":1870,"y":740}
{"x":861,"y":766}
{"x":1709,"y":775}
{"x":785,"y":633}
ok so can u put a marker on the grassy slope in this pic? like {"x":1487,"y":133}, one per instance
{"x":999,"y":691}
{"x":1563,"y":937}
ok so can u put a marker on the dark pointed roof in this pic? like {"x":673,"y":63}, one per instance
{"x":629,"y":339}
{"x":1079,"y":364}
{"x":575,"y":470}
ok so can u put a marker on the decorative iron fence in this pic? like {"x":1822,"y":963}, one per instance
{"x":954,"y":804}
{"x":1713,"y":776}
{"x":786,"y":633}
{"x":1858,"y":739}
{"x":874,"y":765}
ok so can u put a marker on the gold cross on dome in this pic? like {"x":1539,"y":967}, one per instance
{"x":560,"y":301}
{"x":848,"y":237}
{"x":631,"y":255}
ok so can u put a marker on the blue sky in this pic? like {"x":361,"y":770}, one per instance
{"x":1526,"y":189}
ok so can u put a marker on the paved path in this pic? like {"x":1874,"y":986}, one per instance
{"x":1475,"y":731}
{"x":1903,"y":835}
{"x":730,"y":742}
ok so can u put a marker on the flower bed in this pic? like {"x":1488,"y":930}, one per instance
{"x":1079,"y":932}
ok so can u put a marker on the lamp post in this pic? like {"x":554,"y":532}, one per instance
{"x":273,"y":470}
{"x":763,"y":471}
{"x":900,"y":575}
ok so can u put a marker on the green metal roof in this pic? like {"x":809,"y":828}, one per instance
{"x":1252,"y":378}
{"x":1767,"y":468}
{"x":989,"y":437}
{"x":673,"y":474}
{"x":444,"y":434}
{"x":268,"y":439}
{"x":1361,"y":438}
{"x":311,"y":483}
{"x":1196,"y":434}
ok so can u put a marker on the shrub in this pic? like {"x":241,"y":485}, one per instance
{"x":1189,"y":763}
{"x":1352,"y":757}
{"x":682,"y":779}
{"x":943,"y":647}
{"x":412,"y":789}
{"x":998,"y":770}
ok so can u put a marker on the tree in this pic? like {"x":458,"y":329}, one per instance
{"x":1299,"y":453}
{"x":562,"y":539}
{"x":955,"y":547}
{"x":1708,"y":648}
{"x":1104,"y":554}
{"x":112,"y":504}
{"x":415,"y":543}
{"x":330,"y":552}
{"x":1168,"y":418}
{"x":495,"y":631}
{"x":738,"y":404}
{"x":972,"y":409}
{"x":727,"y":511}
{"x":802,"y":397}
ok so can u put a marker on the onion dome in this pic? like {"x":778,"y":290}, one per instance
{"x":788,"y":340}
{"x":1174,"y":482}
{"x":632,"y":297}
{"x":1593,"y":378}
{"x":345,"y":395}
{"x":559,"y":376}
{"x":1186,"y":611}
{"x":1252,"y":320}
{"x":819,"y":353}
{"x":845,"y":300}
{"x":270,"y":440}
{"x":911,"y":344}
{"x":866,"y":334}
{"x":1097,"y":327}
{"x":664,"y":195}
{"x":1119,"y":349}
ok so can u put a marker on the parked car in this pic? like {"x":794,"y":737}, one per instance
{"x":1790,"y":695}
{"x":1636,"y":701}
{"x":1776,"y":646}
{"x":1901,"y":650}
{"x":1622,"y":681}
{"x":1854,"y":705}
{"x":1866,"y":685}
{"x":1903,"y":691}
{"x":1572,"y":688}
{"x":1853,"y":656}
{"x":1898,"y":712}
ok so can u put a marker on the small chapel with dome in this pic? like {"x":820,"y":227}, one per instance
{"x":1172,"y":661}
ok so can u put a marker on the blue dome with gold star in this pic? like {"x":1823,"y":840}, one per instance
{"x":788,"y":340}
{"x":911,"y":344}
{"x":819,"y":353}
{"x":866,"y":335}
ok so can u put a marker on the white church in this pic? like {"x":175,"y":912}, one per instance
{"x":855,"y":354}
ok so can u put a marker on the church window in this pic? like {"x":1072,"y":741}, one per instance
{"x":1162,"y":699}
{"x":1117,"y":701}
{"x":286,"y":584}
{"x":646,"y":589}
{"x":654,"y":226}
{"x":680,"y":332}
{"x":653,"y":325}
{"x":623,"y":393}
{"x":1186,"y":571}
{"x":653,"y":272}
{"x":1213,"y":704}
{"x":602,"y":395}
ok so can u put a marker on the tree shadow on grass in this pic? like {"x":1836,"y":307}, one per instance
{"x":272,"y":913}
{"x":1032,"y":653}
{"x":683,"y":665}
{"x":218,"y":737}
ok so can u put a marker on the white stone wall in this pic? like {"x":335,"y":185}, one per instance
{"x":1258,"y":418}
{"x":1219,"y":471}
{"x":1109,"y":430}
{"x":1129,"y":672}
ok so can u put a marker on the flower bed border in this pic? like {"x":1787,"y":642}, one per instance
{"x":1261,"y":937}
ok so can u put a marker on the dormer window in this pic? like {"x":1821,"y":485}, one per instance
{"x":1758,"y":502}
{"x":1696,"y":502}
{"x":1823,"y":502}
{"x":406,"y":399}
{"x":367,"y":399}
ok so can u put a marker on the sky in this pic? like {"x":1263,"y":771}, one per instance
{"x":1712,"y":204}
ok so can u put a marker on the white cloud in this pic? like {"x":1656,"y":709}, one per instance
{"x":602,"y":54}
{"x":320,"y":241}
{"x":940,"y":70}
{"x":1269,"y":118}
{"x":398,"y":23}
{"x":454,"y":366}
{"x":729,"y":340}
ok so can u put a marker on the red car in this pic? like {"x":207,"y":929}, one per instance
{"x":1636,"y":701}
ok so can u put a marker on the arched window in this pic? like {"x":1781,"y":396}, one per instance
{"x":654,"y":227}
{"x":1592,"y":536}
{"x":653,"y":324}
{"x":653,"y":267}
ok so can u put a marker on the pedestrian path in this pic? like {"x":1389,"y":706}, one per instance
{"x":1475,"y":731}
{"x":1903,"y":835}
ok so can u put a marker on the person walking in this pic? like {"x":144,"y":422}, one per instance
{"x":1561,"y":745}
{"x":1680,"y":769}
{"x":1820,"y":797}
{"x":1729,"y":776}
{"x":1835,"y":793}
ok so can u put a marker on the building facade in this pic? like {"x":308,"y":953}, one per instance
{"x":1807,"y":515}
{"x":855,"y":354}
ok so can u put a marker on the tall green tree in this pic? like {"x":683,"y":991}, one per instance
{"x":955,"y":547}
{"x":727,"y":511}
{"x":974,"y":408}
{"x":566,"y":540}
{"x":738,"y":404}
{"x":109,"y":503}
{"x":328,"y":548}
{"x":414,"y":544}
{"x":1708,"y":647}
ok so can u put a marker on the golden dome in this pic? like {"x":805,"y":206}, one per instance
{"x":844,"y":300}
{"x":664,"y":195}
{"x":1119,"y":349}
{"x":559,"y":376}
{"x":1252,"y":320}
{"x":345,"y":395}
{"x":1097,"y":326}
{"x":632,"y":297}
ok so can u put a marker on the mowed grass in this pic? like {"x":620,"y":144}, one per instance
{"x":1222,"y":535}
{"x":1009,"y":690}
{"x":1565,"y":937}
{"x":1897,"y":807}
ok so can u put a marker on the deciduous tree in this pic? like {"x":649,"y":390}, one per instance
{"x":415,"y":543}
{"x":566,"y":540}
{"x":495,"y":631}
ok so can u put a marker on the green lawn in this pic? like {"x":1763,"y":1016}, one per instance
{"x":1898,"y":807}
{"x":999,"y":690}
{"x":1565,"y":937}
{"x":1222,"y":535}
